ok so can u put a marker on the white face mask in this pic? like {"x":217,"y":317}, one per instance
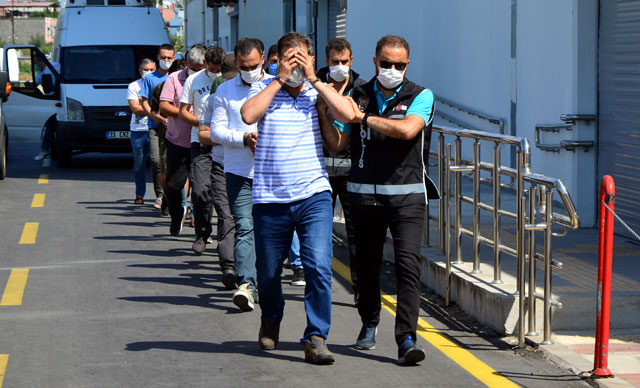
{"x":145,"y":73}
{"x":212,"y":76}
{"x":339,"y":73}
{"x":390,"y":78}
{"x":252,"y":76}
{"x":296,"y":78}
{"x":191,"y":72}
{"x":165,"y":65}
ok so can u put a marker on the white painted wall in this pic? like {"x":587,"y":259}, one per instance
{"x":261,"y":19}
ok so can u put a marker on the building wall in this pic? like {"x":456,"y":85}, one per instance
{"x":198,"y":23}
{"x":25,"y":29}
{"x":462,"y":50}
{"x":262,"y":19}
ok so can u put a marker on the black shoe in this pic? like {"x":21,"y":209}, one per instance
{"x":298,"y":277}
{"x":367,"y":338}
{"x":176,"y":227}
{"x":164,"y":208}
{"x":199,"y":246}
{"x":229,"y":278}
{"x":269,"y":335}
{"x":410,"y":353}
{"x":316,"y":352}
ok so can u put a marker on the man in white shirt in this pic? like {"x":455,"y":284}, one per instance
{"x":207,"y":161}
{"x":139,"y":128}
{"x":222,"y":123}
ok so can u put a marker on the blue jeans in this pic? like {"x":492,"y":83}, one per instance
{"x":274,"y":224}
{"x":294,"y":252}
{"x":140,"y":147}
{"x":244,"y":248}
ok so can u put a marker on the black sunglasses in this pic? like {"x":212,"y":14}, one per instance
{"x":398,"y":65}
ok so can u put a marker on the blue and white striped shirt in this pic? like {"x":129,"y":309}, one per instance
{"x":289,"y":164}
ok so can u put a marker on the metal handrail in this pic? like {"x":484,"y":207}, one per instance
{"x":492,"y":119}
{"x":539,"y":195}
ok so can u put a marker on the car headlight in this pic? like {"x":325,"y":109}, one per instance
{"x":74,"y":110}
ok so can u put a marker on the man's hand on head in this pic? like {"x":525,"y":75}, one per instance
{"x":304,"y":60}
{"x":287,"y":63}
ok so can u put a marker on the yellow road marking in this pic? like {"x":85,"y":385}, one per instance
{"x":44,"y":179}
{"x":14,"y":291}
{"x":29,"y":233}
{"x":442,"y":342}
{"x":4,"y":359}
{"x":38,"y":200}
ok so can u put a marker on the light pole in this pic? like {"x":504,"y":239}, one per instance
{"x":13,"y":29}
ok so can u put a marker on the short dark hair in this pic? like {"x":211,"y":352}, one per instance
{"x":273,"y":50}
{"x":176,"y":66}
{"x":338,"y":44}
{"x":392,"y":41}
{"x":214,"y":55}
{"x":166,"y":46}
{"x":245,"y":46}
{"x":294,"y":39}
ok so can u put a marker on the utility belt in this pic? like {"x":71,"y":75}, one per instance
{"x":335,"y":162}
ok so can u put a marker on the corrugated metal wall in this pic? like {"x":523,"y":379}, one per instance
{"x":337,"y":19}
{"x":619,"y":105}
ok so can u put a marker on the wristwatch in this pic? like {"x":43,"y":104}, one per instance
{"x":365,"y":118}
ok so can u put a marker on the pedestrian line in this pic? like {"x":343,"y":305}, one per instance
{"x":4,"y":359}
{"x":14,"y":291}
{"x":38,"y":200}
{"x":44,"y":179}
{"x":29,"y":233}
{"x":453,"y":350}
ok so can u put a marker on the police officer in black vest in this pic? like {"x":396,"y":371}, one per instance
{"x":387,"y":187}
{"x":339,"y":73}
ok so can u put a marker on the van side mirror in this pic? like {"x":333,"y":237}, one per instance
{"x":5,"y":86}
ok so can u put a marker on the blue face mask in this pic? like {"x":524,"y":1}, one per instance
{"x":273,"y":69}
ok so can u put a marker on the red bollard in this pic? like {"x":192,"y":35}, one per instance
{"x":605,"y":251}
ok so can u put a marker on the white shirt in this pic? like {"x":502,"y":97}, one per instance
{"x":138,"y":122}
{"x":227,"y":127}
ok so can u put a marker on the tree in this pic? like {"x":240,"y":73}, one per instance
{"x":38,"y":41}
{"x":178,"y":42}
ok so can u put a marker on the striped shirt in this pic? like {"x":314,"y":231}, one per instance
{"x":289,"y":164}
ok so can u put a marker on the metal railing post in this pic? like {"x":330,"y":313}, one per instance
{"x":476,"y":207}
{"x":520,"y":211}
{"x":442,"y":191}
{"x":497,"y":241}
{"x":447,"y":243}
{"x":548,"y":234}
{"x":531,"y":298}
{"x":458,"y":202}
{"x":521,"y":289}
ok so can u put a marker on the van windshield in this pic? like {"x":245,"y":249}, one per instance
{"x":104,"y":64}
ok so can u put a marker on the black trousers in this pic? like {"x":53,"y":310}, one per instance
{"x":178,"y":168}
{"x":200,"y":181}
{"x":339,"y":190}
{"x":406,"y":224}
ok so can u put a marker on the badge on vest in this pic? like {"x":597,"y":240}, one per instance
{"x":400,"y":108}
{"x":363,"y":102}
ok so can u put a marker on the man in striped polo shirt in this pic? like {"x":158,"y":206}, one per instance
{"x":291,"y":191}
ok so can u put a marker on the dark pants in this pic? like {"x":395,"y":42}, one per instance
{"x":155,"y":161}
{"x":406,"y":224}
{"x":226,"y":226}
{"x":200,"y":179}
{"x":178,"y":166}
{"x":339,"y":190}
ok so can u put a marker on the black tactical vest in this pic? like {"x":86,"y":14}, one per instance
{"x":387,"y":171}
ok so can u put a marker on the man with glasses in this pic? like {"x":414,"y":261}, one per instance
{"x":388,"y":188}
{"x":166,"y":56}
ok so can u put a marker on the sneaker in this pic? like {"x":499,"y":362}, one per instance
{"x":229,"y":278}
{"x":298,"y":277}
{"x":42,"y":155}
{"x":176,"y":227}
{"x":199,"y":246}
{"x":410,"y":353}
{"x":209,"y":240}
{"x":269,"y":335}
{"x":158,"y":203}
{"x":367,"y":338}
{"x":316,"y":352}
{"x":243,"y":297}
{"x":139,"y":200}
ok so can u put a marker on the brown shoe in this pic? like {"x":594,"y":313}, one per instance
{"x":269,"y":335}
{"x":315,"y":351}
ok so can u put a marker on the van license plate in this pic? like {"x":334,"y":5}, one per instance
{"x":118,"y":134}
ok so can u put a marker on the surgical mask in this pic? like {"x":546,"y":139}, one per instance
{"x":390,"y":78}
{"x":273,"y":69}
{"x":191,"y":72}
{"x":145,"y":73}
{"x":212,"y":76}
{"x":339,"y":73}
{"x":251,"y":76}
{"x":165,"y":65}
{"x":296,"y":78}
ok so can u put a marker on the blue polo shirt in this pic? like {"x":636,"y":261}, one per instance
{"x":148,"y":86}
{"x":421,"y":106}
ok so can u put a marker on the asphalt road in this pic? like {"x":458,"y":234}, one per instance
{"x":112,"y":300}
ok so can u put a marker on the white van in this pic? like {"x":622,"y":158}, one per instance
{"x":97,"y":49}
